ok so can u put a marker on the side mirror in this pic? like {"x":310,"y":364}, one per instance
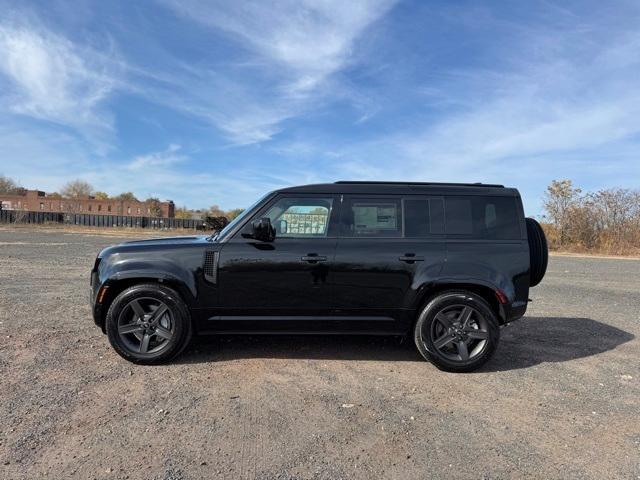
{"x":263,"y":230}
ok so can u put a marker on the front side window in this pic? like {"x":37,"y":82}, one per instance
{"x":374,"y":217}
{"x":300,"y":217}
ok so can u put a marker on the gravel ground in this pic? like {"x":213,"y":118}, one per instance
{"x":560,"y":399}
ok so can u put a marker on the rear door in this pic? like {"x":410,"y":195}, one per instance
{"x":487,"y":244}
{"x":389,"y":248}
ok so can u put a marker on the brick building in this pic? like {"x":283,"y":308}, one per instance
{"x":35,"y":200}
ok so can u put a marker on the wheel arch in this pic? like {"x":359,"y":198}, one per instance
{"x":118,"y":284}
{"x":486,"y":292}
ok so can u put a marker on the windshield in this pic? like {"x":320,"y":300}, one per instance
{"x":225,"y":231}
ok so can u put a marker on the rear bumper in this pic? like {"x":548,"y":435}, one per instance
{"x":512,"y":311}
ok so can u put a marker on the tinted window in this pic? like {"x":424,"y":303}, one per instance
{"x":416,"y":215}
{"x":374,"y":217}
{"x":423,"y":217}
{"x":458,"y":216}
{"x":300,"y":217}
{"x":482,"y":217}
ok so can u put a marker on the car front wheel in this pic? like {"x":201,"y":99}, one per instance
{"x":457,"y":331}
{"x":148,"y":323}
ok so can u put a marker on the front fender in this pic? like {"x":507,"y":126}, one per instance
{"x":117,"y":269}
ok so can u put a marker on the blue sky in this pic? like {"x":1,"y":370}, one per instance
{"x":208,"y":102}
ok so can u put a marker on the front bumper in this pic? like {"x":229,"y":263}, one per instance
{"x":96,"y":307}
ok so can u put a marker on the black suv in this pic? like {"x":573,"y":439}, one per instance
{"x":447,"y":263}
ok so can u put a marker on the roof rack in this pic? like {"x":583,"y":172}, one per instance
{"x":477,"y":184}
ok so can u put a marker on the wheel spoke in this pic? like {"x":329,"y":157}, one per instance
{"x":465,"y":315}
{"x":462,"y":350}
{"x":477,"y":334}
{"x":158,"y":313}
{"x":129,"y":328}
{"x":163,"y":333}
{"x":444,"y":320}
{"x":144,"y":344}
{"x":443,"y":341}
{"x":137,"y":308}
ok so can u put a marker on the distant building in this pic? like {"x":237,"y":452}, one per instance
{"x":36,"y":200}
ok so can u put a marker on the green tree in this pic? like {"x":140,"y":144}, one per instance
{"x":233,"y":213}
{"x":183,"y":212}
{"x":101,"y":196}
{"x":127,"y":197}
{"x":153,"y":204}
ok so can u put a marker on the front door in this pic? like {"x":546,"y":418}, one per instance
{"x":284,"y":285}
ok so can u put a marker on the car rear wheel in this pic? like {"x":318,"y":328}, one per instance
{"x":148,"y":323}
{"x":457,"y":331}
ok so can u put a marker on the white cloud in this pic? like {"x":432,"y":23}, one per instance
{"x":163,"y":159}
{"x":546,"y":113}
{"x":49,"y":78}
{"x":296,"y":45}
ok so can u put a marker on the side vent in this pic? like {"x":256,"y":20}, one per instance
{"x":210,"y":266}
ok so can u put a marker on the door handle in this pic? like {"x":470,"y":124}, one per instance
{"x":313,"y":258}
{"x":411,"y":258}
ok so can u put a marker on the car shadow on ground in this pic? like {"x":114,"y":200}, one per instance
{"x":310,"y":347}
{"x":523,"y":344}
{"x":535,"y":340}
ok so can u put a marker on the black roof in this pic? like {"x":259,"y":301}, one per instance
{"x":433,"y":188}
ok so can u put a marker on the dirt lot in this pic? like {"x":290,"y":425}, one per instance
{"x":561,"y":398}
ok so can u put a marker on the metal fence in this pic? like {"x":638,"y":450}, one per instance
{"x":88,"y":220}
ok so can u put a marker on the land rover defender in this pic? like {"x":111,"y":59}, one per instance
{"x":447,"y":264}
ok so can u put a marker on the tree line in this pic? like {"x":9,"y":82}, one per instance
{"x":606,"y":221}
{"x":76,"y":189}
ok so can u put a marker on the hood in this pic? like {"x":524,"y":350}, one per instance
{"x":154,"y":244}
{"x":167,"y":240}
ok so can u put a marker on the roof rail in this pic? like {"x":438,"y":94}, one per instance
{"x":477,"y":184}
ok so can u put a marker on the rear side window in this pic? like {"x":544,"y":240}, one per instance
{"x":423,"y":217}
{"x":374,"y":217}
{"x":482,"y":217}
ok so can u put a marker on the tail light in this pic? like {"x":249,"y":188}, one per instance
{"x":502,"y":298}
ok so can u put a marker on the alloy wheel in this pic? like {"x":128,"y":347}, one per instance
{"x":460,"y":333}
{"x":146,"y":325}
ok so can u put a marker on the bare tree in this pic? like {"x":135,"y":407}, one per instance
{"x":607,"y":220}
{"x":215,"y":211}
{"x":8,"y":186}
{"x":76,"y":188}
{"x":74,"y":192}
{"x":559,"y":199}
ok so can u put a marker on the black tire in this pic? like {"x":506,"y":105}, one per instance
{"x":430,"y":331}
{"x":133,"y":309}
{"x":538,"y":252}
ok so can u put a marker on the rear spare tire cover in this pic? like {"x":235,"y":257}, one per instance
{"x":538,"y":252}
